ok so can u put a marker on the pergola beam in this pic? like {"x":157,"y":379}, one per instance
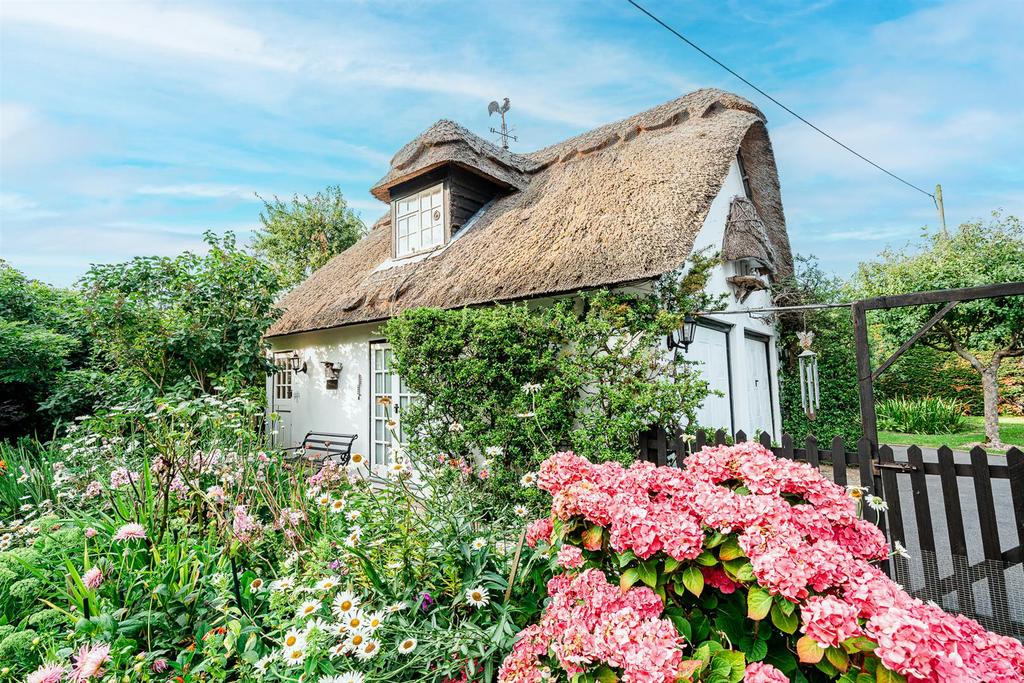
{"x":910,"y":342}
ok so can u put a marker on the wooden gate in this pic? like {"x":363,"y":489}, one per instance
{"x":960,"y":516}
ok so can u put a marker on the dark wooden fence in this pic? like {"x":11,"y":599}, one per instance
{"x":960,"y":515}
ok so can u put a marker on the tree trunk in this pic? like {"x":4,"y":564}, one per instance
{"x":990,"y":391}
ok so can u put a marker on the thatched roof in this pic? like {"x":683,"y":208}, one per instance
{"x":746,"y":235}
{"x":621,"y":203}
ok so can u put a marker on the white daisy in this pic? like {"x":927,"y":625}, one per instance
{"x":318,"y":624}
{"x":353,"y":537}
{"x":263,"y":663}
{"x":899,"y":550}
{"x":352,"y":677}
{"x":374,"y":620}
{"x":285,"y":583}
{"x":521,"y":510}
{"x":340,"y":649}
{"x":356,"y":460}
{"x":294,"y":656}
{"x":355,"y":641}
{"x":352,"y":515}
{"x":368,"y":649}
{"x":308,"y":609}
{"x":528,"y":480}
{"x":331,"y":679}
{"x":256,"y":585}
{"x":397,"y":607}
{"x":324,"y":499}
{"x":407,"y":646}
{"x":876,"y":504}
{"x":328,"y":584}
{"x":337,"y":505}
{"x":355,"y":621}
{"x":294,"y":638}
{"x":344,"y":603}
{"x":477,"y":597}
{"x":479,"y":543}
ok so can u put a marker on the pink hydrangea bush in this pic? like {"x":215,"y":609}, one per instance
{"x":750,"y":567}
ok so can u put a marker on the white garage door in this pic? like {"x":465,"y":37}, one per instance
{"x":759,"y":391}
{"x":710,"y":349}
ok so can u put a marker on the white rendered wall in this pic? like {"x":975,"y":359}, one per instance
{"x":344,"y":410}
{"x":710,"y":236}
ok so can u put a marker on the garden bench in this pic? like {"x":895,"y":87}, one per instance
{"x":320,"y":447}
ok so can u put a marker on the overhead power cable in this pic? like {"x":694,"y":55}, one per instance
{"x":704,"y":52}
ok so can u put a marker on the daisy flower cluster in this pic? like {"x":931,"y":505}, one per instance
{"x":589,"y":621}
{"x":805,"y":541}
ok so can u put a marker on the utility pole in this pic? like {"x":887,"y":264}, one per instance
{"x":941,"y":208}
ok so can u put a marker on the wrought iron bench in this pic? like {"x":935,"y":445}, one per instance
{"x":319,"y":447}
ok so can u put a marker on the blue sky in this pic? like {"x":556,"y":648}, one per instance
{"x":130,"y":128}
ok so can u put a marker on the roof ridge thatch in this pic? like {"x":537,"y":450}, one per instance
{"x":589,"y":212}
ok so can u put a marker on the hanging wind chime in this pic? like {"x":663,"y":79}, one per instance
{"x":809,"y":395}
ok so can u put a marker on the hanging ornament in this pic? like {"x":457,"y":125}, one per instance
{"x":809,"y":395}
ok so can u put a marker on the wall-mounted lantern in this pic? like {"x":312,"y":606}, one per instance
{"x":332,"y":372}
{"x":686,"y":334}
{"x":296,"y":363}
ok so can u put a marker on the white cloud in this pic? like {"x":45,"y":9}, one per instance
{"x":200,"y":191}
{"x":151,"y":26}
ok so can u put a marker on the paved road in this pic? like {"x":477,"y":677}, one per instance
{"x":1010,"y":535}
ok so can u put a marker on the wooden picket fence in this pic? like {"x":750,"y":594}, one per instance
{"x":960,"y":515}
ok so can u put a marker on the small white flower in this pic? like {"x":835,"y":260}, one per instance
{"x":368,"y":649}
{"x":876,"y":504}
{"x":355,"y":641}
{"x":352,"y":677}
{"x":256,"y":585}
{"x":285,"y":583}
{"x":352,"y":515}
{"x":318,"y":624}
{"x":899,"y":550}
{"x":407,"y":646}
{"x":528,"y":480}
{"x":356,"y":460}
{"x":308,"y":609}
{"x":294,"y":656}
{"x":353,"y":537}
{"x":337,"y":505}
{"x":324,"y":499}
{"x":521,"y":511}
{"x":328,"y":584}
{"x":494,"y":451}
{"x":531,"y":388}
{"x":528,"y":414}
{"x":263,"y":663}
{"x":294,"y":638}
{"x":373,"y":620}
{"x":479,"y":543}
{"x":477,"y":597}
{"x":456,"y":427}
{"x":355,"y":621}
{"x":344,"y":603}
{"x":397,"y":607}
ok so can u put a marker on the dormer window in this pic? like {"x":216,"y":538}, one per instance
{"x":419,"y":221}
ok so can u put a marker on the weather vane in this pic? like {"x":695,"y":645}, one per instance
{"x":502,"y":109}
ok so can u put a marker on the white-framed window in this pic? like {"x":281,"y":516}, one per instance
{"x":419,"y":221}
{"x":282,"y":384}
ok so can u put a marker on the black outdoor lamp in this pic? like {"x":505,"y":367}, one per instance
{"x":686,"y":333}
{"x":295,"y":363}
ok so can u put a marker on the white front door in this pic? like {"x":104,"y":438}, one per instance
{"x":281,"y":402}
{"x":759,"y":391}
{"x":710,"y":350}
{"x":386,"y":383}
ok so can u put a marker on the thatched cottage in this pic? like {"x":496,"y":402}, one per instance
{"x":469,"y":223}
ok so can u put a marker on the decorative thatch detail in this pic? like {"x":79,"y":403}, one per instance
{"x":621,"y":203}
{"x":745,"y":285}
{"x":746,"y":235}
{"x":446,"y":142}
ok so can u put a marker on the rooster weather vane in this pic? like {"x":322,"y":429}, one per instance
{"x":504,"y":134}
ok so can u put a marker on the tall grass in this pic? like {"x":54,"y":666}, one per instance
{"x":921,"y":415}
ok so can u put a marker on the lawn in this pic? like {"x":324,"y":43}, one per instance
{"x":1011,"y":429}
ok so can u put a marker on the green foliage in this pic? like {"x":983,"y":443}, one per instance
{"x":983,"y":332}
{"x":920,"y":416}
{"x":191,"y":319}
{"x":514,"y":383}
{"x":301,"y":236}
{"x":839,"y":414}
{"x":41,"y":338}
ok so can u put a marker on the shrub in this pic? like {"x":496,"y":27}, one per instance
{"x":920,"y":415}
{"x":738,"y":566}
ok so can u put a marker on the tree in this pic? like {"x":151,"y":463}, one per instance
{"x":192,"y":319}
{"x":41,"y":339}
{"x":301,"y":236}
{"x":983,"y":332}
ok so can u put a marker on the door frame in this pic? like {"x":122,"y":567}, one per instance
{"x":274,"y":355}
{"x":726,"y":329}
{"x":767,"y":341}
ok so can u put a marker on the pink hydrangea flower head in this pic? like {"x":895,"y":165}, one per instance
{"x":539,"y":530}
{"x":759,"y":672}
{"x":570,"y":557}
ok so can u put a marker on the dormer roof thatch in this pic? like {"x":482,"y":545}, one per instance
{"x":621,"y":203}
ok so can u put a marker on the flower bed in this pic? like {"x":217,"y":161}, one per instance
{"x":739,"y":566}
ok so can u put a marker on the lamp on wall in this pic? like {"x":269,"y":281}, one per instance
{"x":686,"y":334}
{"x":332,"y":372}
{"x":296,"y":363}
